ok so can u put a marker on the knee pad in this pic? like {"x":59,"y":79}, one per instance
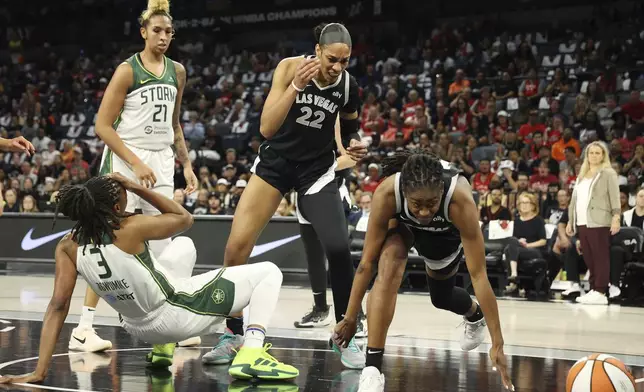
{"x":270,"y":271}
{"x":440,"y":293}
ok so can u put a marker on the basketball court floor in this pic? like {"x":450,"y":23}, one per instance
{"x":543,"y":340}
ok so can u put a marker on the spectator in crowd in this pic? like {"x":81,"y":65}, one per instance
{"x":553,"y":213}
{"x":495,"y":210}
{"x":365,"y":207}
{"x":28,"y":204}
{"x":11,"y":201}
{"x":635,"y":216}
{"x":567,"y":141}
{"x":594,"y":214}
{"x":528,"y":239}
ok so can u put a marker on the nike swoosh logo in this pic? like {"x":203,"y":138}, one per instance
{"x":373,"y":352}
{"x":29,"y":243}
{"x":81,"y":341}
{"x":145,"y":81}
{"x":267,"y":247}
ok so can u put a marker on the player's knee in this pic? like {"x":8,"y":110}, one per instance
{"x":391,"y":270}
{"x":338,"y":249}
{"x":441,"y":300}
{"x":185,"y":243}
{"x":270,"y":272}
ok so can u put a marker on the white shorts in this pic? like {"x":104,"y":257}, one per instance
{"x":161,"y":162}
{"x":217,"y":294}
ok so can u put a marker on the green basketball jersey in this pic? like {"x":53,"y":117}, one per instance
{"x":145,"y":120}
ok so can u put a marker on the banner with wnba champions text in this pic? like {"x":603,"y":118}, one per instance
{"x":30,"y":238}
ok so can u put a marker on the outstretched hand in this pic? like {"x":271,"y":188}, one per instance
{"x":357,"y":150}
{"x":23,"y":378}
{"x":500,"y":364}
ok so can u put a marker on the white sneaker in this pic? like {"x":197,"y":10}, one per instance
{"x":614,"y":292}
{"x":473,"y":334}
{"x":86,"y":340}
{"x":371,"y":380}
{"x":190,"y":342}
{"x":574,"y":289}
{"x":593,"y":298}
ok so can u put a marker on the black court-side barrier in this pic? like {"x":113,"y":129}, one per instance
{"x":30,"y":238}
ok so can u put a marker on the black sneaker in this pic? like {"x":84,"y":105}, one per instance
{"x":315,"y":318}
{"x":361,"y":330}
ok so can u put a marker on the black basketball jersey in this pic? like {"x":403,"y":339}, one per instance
{"x":439,"y":242}
{"x":308,"y":132}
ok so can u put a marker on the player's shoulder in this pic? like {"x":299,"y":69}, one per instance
{"x":353,"y":82}
{"x":178,"y":67}
{"x":387,"y":187}
{"x":68,"y":245}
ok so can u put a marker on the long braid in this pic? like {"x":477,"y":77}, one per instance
{"x":91,"y":205}
{"x":418,"y":168}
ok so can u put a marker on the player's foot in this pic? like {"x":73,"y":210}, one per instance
{"x":575,"y":289}
{"x":161,"y":355}
{"x":371,"y":380}
{"x":258,"y":363}
{"x":190,"y":342}
{"x":86,"y":340}
{"x":225,"y":350}
{"x":593,"y":298}
{"x":352,"y":357}
{"x":244,"y":386}
{"x":315,"y":318}
{"x":473,"y":334}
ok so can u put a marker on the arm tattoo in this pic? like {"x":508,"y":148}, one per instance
{"x":179,"y":146}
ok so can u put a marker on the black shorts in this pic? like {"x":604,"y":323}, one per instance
{"x":433,"y":247}
{"x":286,"y":175}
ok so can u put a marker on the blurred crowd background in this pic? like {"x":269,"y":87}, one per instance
{"x":512,"y":107}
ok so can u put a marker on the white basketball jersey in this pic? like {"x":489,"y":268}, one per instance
{"x":145,"y":120}
{"x":134,"y":285}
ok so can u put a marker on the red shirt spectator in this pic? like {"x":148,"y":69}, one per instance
{"x":532,"y":126}
{"x":481,"y":180}
{"x":373,"y":179}
{"x":629,"y":142}
{"x":539,"y":182}
{"x":635,"y":107}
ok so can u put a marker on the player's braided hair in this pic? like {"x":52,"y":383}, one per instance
{"x":91,"y":205}
{"x":155,"y":7}
{"x":418,"y":169}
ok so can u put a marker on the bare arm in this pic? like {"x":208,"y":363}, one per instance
{"x":179,"y":141}
{"x":279,"y":100}
{"x":536,"y":244}
{"x":174,"y":219}
{"x":111,"y":106}
{"x":383,"y":209}
{"x":344,"y":160}
{"x":64,"y":283}
{"x":464,"y":215}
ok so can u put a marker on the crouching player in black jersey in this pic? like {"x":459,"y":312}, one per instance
{"x":424,"y":203}
{"x":307,"y":95}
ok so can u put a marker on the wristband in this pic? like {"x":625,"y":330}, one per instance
{"x":296,"y":88}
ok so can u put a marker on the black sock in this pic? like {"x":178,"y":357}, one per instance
{"x":320,"y":301}
{"x":236,"y":325}
{"x":478,"y":315}
{"x":374,"y":357}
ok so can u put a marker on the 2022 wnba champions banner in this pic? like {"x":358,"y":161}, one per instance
{"x":30,"y":238}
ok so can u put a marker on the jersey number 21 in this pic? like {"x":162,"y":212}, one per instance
{"x":97,"y":256}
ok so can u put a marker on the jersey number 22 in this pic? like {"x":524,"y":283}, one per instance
{"x":304,"y":118}
{"x":97,"y":255}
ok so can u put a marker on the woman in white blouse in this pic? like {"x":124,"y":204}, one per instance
{"x":594,"y":213}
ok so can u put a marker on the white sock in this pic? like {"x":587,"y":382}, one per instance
{"x":254,"y":337}
{"x":87,"y":317}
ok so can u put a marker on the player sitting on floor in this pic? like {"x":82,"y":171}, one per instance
{"x":109,"y":249}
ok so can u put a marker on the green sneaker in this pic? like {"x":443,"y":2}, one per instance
{"x":161,"y":355}
{"x":252,"y":363}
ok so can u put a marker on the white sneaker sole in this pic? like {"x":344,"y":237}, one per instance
{"x":190,"y":342}
{"x":77,"y":346}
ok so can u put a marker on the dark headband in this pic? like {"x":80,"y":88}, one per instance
{"x":339,"y":35}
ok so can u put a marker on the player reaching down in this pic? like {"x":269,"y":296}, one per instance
{"x":426,"y":204}
{"x":157,"y":304}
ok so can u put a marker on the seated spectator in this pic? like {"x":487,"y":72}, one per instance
{"x":495,"y":210}
{"x":461,"y":162}
{"x":373,"y":179}
{"x":540,"y":181}
{"x":214,"y":205}
{"x":284,"y":209}
{"x":29,"y":204}
{"x":365,"y":208}
{"x":553,"y":212}
{"x":482,"y":179}
{"x":570,"y":159}
{"x":544,"y":157}
{"x":460,"y":83}
{"x":533,"y":125}
{"x":201,"y":205}
{"x":635,"y":216}
{"x":631,"y":141}
{"x":528,"y":238}
{"x":498,"y":131}
{"x":634,"y":108}
{"x":179,"y":197}
{"x":560,"y":146}
{"x":531,"y":88}
{"x":11,"y":201}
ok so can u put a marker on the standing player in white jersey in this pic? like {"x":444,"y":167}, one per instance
{"x":158,"y":302}
{"x":139,"y":122}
